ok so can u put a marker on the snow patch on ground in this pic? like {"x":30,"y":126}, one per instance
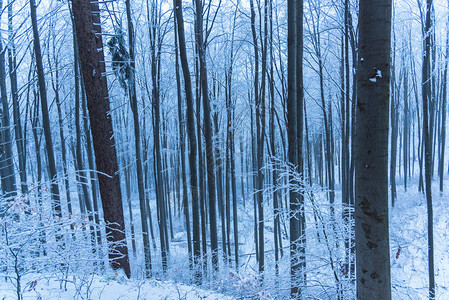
{"x":38,"y":286}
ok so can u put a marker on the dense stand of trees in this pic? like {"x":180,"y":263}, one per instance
{"x":257,"y":123}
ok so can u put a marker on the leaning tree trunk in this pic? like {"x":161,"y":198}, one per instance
{"x":371,"y":155}
{"x":88,"y":31}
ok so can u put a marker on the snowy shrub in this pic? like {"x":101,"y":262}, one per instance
{"x":34,"y":240}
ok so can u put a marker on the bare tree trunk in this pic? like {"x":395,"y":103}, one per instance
{"x":201,"y":178}
{"x":88,"y":30}
{"x":443,"y":112}
{"x":192,"y":141}
{"x":277,"y":237}
{"x":300,"y":128}
{"x":394,"y":125}
{"x":294,"y":116}
{"x":19,"y":135}
{"x":427,"y":136}
{"x":45,"y":114}
{"x":37,"y":146}
{"x":55,"y":85}
{"x":406,"y":133}
{"x":80,"y":174}
{"x":182,"y":147}
{"x":6,"y":155}
{"x":137,"y":143}
{"x":207,"y":133}
{"x":371,"y":155}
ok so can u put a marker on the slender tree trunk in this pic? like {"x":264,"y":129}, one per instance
{"x":394,"y":126}
{"x":181,"y":120}
{"x":19,"y":136}
{"x":276,"y":233}
{"x":191,"y":140}
{"x":427,"y":136}
{"x":6,"y":155}
{"x":443,"y":112}
{"x":45,"y":114}
{"x":55,"y":85}
{"x":406,"y":131}
{"x":294,"y":100}
{"x":210,"y":163}
{"x":300,"y":128}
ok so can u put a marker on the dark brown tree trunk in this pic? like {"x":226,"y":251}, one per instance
{"x":88,"y":30}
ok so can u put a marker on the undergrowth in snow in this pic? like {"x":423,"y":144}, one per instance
{"x":73,"y":274}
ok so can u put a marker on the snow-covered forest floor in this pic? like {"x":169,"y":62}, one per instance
{"x":38,"y":286}
{"x":408,"y":242}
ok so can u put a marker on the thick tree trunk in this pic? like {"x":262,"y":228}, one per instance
{"x":371,"y":155}
{"x":88,"y":30}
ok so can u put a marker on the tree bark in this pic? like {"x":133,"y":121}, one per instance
{"x":210,"y":163}
{"x":88,"y":30}
{"x":6,"y":155}
{"x":19,"y":135}
{"x":45,"y":114}
{"x":191,"y":140}
{"x":294,"y":116}
{"x":371,"y":155}
{"x":182,"y":146}
{"x":427,"y":136}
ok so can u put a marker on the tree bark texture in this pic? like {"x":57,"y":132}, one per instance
{"x":88,"y":30}
{"x":371,"y":155}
